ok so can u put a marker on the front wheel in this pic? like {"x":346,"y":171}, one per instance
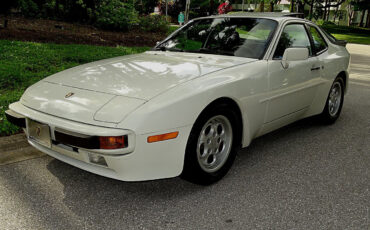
{"x":334,"y":102}
{"x":212,"y":145}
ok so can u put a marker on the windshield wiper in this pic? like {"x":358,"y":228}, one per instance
{"x":160,"y":48}
{"x":163,"y":48}
{"x":175,"y":49}
{"x":206,"y":51}
{"x":214,"y":51}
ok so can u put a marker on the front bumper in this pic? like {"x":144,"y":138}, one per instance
{"x":140,"y":161}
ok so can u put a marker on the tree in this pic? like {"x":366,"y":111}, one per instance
{"x":300,"y":6}
{"x":272,"y":4}
{"x":311,"y":4}
{"x":325,"y":10}
{"x":361,"y":5}
{"x":324,"y":5}
{"x":350,"y":12}
{"x":364,"y":6}
{"x":187,"y":7}
{"x":5,"y":7}
{"x":211,"y":7}
{"x":336,"y":13}
{"x":262,"y":6}
{"x":292,"y":6}
{"x":145,"y":6}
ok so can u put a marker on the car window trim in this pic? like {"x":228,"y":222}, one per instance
{"x":322,"y":37}
{"x":268,"y":42}
{"x":279,"y":36}
{"x":270,"y":39}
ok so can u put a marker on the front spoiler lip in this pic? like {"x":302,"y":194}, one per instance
{"x":96,"y":169}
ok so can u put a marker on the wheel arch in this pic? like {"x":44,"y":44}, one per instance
{"x":344,"y":76}
{"x":236,"y":108}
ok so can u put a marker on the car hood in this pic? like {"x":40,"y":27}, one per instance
{"x":145,"y":75}
{"x":80,"y":105}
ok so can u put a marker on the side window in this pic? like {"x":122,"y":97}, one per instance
{"x":293,"y":35}
{"x":318,"y":40}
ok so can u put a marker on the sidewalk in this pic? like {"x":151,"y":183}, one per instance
{"x":360,"y":63}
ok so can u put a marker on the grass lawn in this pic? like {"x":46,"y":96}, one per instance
{"x":351,"y":34}
{"x":354,"y":38}
{"x":24,"y":63}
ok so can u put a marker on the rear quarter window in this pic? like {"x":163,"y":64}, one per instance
{"x":318,"y":41}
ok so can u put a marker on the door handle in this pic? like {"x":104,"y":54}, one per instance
{"x":315,"y":68}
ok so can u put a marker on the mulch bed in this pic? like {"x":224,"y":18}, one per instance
{"x":42,"y":30}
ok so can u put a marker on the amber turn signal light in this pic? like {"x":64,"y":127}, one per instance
{"x":163,"y":137}
{"x":113,"y":142}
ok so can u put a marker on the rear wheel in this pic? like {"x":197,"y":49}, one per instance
{"x":212,"y":145}
{"x":334,"y":102}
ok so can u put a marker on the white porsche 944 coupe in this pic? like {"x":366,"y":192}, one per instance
{"x":186,"y":107}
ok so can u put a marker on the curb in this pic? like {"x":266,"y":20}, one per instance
{"x":15,"y":148}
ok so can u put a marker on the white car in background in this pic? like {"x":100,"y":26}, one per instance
{"x":187,"y":106}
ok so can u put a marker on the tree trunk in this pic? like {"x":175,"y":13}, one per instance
{"x":292,"y":6}
{"x":271,"y":6}
{"x":328,"y":14}
{"x":350,"y":14}
{"x":262,"y":6}
{"x":6,"y":19}
{"x":5,"y":23}
{"x":311,"y":9}
{"x":187,"y":6}
{"x":336,"y":13}
{"x":211,"y":6}
{"x":324,"y":14}
{"x":56,"y":8}
{"x":303,"y":4}
{"x":368,"y":19}
{"x":255,"y":5}
{"x":361,"y":24}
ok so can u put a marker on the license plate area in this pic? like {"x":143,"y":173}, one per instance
{"x":38,"y":132}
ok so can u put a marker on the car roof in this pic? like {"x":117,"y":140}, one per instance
{"x":278,"y":16}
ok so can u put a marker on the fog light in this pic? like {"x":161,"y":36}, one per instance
{"x":97,"y":159}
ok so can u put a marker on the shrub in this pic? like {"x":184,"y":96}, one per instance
{"x":116,"y":15}
{"x":154,"y":23}
{"x":29,"y":8}
{"x":319,"y":22}
{"x":335,"y":29}
{"x":325,"y":23}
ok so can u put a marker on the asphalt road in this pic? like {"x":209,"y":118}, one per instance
{"x":304,"y":176}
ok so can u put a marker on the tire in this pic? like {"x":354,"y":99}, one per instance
{"x":334,"y":102}
{"x":212,"y":145}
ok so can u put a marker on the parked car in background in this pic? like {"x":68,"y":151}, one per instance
{"x":186,"y":107}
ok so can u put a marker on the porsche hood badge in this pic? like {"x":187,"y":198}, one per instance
{"x":69,"y":95}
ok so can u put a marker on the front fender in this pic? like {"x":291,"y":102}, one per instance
{"x":182,"y":105}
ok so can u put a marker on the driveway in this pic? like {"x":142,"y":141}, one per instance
{"x":304,"y":176}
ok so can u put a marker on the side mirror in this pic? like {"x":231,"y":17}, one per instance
{"x":294,"y":54}
{"x":157,"y":43}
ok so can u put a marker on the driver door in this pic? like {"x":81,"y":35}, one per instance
{"x":292,"y":89}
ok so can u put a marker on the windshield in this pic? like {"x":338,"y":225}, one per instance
{"x":241,"y":37}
